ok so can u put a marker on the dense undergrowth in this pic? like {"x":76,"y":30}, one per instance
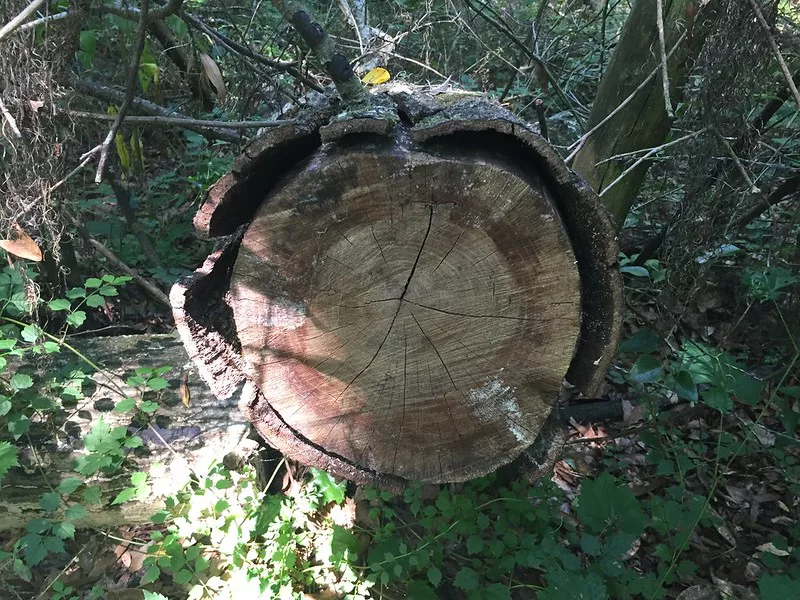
{"x":694,"y":494}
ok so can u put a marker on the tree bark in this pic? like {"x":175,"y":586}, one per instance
{"x":643,"y":122}
{"x":404,"y":288}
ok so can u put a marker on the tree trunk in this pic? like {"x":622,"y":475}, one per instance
{"x":405,"y":302}
{"x":196,"y":435}
{"x":643,"y":122}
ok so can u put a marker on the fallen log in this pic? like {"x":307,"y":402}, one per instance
{"x":178,"y":441}
{"x":404,"y":287}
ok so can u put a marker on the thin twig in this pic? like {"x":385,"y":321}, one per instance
{"x":650,"y":153}
{"x":776,"y":51}
{"x":104,"y":92}
{"x":147,"y":286}
{"x":176,"y":121}
{"x":44,"y":20}
{"x":739,"y":166}
{"x":578,"y":144}
{"x":130,"y":88}
{"x":12,"y":122}
{"x":663,"y":49}
{"x":20,"y":18}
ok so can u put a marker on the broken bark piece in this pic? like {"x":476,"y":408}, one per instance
{"x":405,"y":306}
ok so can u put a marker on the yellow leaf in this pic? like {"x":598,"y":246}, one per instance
{"x":122,"y":152}
{"x":23,"y":246}
{"x":184,"y":389}
{"x":213,"y":75}
{"x":376,"y":76}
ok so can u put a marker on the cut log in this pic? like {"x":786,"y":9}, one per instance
{"x":405,"y":301}
{"x":179,"y":440}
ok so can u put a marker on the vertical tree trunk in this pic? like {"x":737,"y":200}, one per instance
{"x":643,"y":122}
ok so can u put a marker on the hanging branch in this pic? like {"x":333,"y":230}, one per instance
{"x":20,"y":18}
{"x":130,"y":89}
{"x":776,"y":51}
{"x":325,"y":49}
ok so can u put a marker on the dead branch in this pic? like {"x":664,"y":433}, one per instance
{"x":327,"y":51}
{"x":109,"y":94}
{"x":662,"y":46}
{"x":130,"y":89}
{"x":12,"y":122}
{"x":776,"y":51}
{"x":20,"y":18}
{"x":184,"y":122}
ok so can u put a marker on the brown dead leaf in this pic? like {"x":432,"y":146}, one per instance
{"x":23,"y":246}
{"x":183,"y":390}
{"x":213,"y":75}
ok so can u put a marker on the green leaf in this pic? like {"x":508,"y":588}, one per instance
{"x":420,"y":590}
{"x":108,"y":290}
{"x":474,"y":544}
{"x":160,"y":516}
{"x":684,"y":386}
{"x":95,"y":301}
{"x":75,"y":512}
{"x":30,"y":333}
{"x":125,"y":405}
{"x":466,"y":579}
{"x":60,"y":304}
{"x":641,"y":342}
{"x":125,"y":495}
{"x":76,"y":318}
{"x":635,"y":271}
{"x":151,"y":574}
{"x":332,"y":491}
{"x":146,"y":595}
{"x":65,"y":530}
{"x":148,"y":406}
{"x":19,"y":426}
{"x":139,"y":478}
{"x":21,"y":381}
{"x":718,"y":399}
{"x":93,"y":282}
{"x":647,"y":369}
{"x":496,"y":591}
{"x":182,"y":577}
{"x":50,"y":501}
{"x":157,"y":383}
{"x":133,"y":442}
{"x":5,"y":406}
{"x":92,"y":494}
{"x":603,"y":503}
{"x":76,"y":293}
{"x":777,"y":586}
{"x":434,"y":576}
{"x":51,"y":347}
{"x":590,"y":544}
{"x":8,"y":458}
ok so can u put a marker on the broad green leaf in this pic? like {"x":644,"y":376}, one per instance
{"x":65,"y":531}
{"x":151,"y":574}
{"x":125,"y":495}
{"x":108,"y":290}
{"x":50,"y":501}
{"x":777,"y":586}
{"x":420,"y":590}
{"x":605,"y":503}
{"x":157,"y":383}
{"x":8,"y":458}
{"x":76,"y":318}
{"x":635,"y":271}
{"x":332,"y":491}
{"x":434,"y":576}
{"x":60,"y":304}
{"x":95,"y":301}
{"x":76,"y":293}
{"x":684,"y":386}
{"x":125,"y":405}
{"x":93,"y":282}
{"x":718,"y":399}
{"x":647,"y":369}
{"x":21,"y":381}
{"x":474,"y":544}
{"x":92,"y":494}
{"x":30,"y":333}
{"x":641,"y":342}
{"x":75,"y":512}
{"x":148,"y":406}
{"x":466,"y":579}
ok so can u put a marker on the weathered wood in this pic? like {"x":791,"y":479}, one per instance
{"x":407,"y":300}
{"x":196,"y":436}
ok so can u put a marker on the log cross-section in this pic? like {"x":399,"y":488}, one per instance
{"x":406,"y":301}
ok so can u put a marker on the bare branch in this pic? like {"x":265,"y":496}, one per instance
{"x":20,"y":18}
{"x":12,"y":122}
{"x":130,"y":89}
{"x":776,"y":51}
{"x":327,"y":51}
{"x":176,"y":121}
{"x":662,"y":46}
